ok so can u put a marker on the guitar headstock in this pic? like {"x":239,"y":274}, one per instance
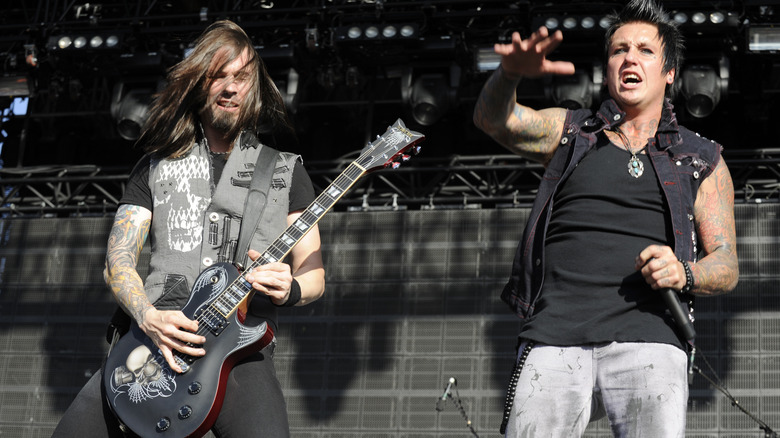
{"x":390,"y":148}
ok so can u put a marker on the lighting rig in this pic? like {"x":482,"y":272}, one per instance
{"x":344,"y":66}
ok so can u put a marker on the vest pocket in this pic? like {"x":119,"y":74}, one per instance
{"x":175,"y":293}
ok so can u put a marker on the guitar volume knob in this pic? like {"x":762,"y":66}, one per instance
{"x":163,"y":424}
{"x":194,"y":388}
{"x":185,"y":412}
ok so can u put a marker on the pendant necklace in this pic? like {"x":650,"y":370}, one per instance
{"x":635,"y":166}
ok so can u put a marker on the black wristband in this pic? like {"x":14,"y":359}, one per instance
{"x":688,"y":278}
{"x":294,"y":296}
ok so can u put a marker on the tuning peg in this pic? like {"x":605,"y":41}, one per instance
{"x":393,"y":164}
{"x":405,"y":157}
{"x":416,"y":150}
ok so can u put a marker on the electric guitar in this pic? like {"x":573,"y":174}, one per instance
{"x":152,"y":400}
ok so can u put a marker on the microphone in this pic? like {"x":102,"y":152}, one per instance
{"x":676,"y":309}
{"x":452,"y":381}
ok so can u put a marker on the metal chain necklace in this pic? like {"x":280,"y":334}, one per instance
{"x":635,"y":166}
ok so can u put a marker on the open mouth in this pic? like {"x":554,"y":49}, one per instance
{"x":226,"y":104}
{"x":631,"y":79}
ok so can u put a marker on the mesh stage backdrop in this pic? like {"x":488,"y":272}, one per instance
{"x":411,"y":300}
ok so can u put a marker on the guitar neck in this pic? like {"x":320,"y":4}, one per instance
{"x":381,"y":153}
{"x":229,"y":300}
{"x":283,"y":244}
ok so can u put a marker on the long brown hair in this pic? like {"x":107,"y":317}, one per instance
{"x":172,"y":126}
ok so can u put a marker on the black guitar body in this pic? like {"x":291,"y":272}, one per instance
{"x":154,"y":401}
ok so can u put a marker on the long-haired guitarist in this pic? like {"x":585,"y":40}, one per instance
{"x":203,"y":137}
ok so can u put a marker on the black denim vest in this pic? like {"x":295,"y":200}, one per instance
{"x":680,"y":158}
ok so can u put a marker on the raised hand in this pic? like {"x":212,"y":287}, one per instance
{"x":529,"y":57}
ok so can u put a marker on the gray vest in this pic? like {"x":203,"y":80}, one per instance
{"x":195,"y":222}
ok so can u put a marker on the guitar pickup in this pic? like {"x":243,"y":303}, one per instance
{"x":215,"y":322}
{"x":216,"y":325}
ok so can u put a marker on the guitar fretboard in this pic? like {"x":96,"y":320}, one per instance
{"x":279,"y":249}
{"x":232,"y":296}
{"x":392,"y":143}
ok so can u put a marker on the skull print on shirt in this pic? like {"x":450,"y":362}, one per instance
{"x":184,"y":207}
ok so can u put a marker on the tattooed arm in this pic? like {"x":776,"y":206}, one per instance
{"x":128,"y":234}
{"x":718,"y":271}
{"x":524,"y":131}
{"x":168,"y":329}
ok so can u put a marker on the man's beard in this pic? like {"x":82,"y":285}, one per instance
{"x":221,"y":120}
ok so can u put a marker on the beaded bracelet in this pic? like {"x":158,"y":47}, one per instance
{"x":688,"y":277}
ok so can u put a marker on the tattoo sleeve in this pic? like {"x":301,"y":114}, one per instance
{"x":526,"y":132}
{"x":127,"y":237}
{"x":718,"y":271}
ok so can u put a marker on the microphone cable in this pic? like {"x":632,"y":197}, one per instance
{"x":452,"y":383}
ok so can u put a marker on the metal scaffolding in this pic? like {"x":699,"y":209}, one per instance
{"x":490,"y":181}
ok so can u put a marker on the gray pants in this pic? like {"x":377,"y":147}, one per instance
{"x":641,"y":387}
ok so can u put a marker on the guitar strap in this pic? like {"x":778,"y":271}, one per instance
{"x":256,"y":200}
{"x":253,"y":209}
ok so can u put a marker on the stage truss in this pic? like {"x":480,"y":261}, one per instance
{"x":465,"y":182}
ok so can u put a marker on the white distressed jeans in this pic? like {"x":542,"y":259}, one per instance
{"x":641,"y":387}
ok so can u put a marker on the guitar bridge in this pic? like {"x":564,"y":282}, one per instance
{"x":183,"y":363}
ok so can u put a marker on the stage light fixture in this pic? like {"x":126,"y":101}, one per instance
{"x":717,"y":18}
{"x":428,"y":99}
{"x":389,"y":31}
{"x":704,"y":21}
{"x":698,"y":18}
{"x":588,"y":23}
{"x":64,"y":42}
{"x":354,"y":32}
{"x":312,"y":39}
{"x":286,"y":82}
{"x":573,"y":91}
{"x":371,"y":32}
{"x":568,"y":23}
{"x":80,"y":42}
{"x":703,"y":87}
{"x":680,"y":18}
{"x":763,"y":39}
{"x":129,"y":107}
{"x":486,"y":59}
{"x":377,"y":32}
{"x":431,"y":95}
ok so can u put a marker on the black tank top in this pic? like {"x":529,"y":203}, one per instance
{"x":602,"y":218}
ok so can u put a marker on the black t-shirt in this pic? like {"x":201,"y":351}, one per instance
{"x":138,"y":192}
{"x":602,"y":218}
